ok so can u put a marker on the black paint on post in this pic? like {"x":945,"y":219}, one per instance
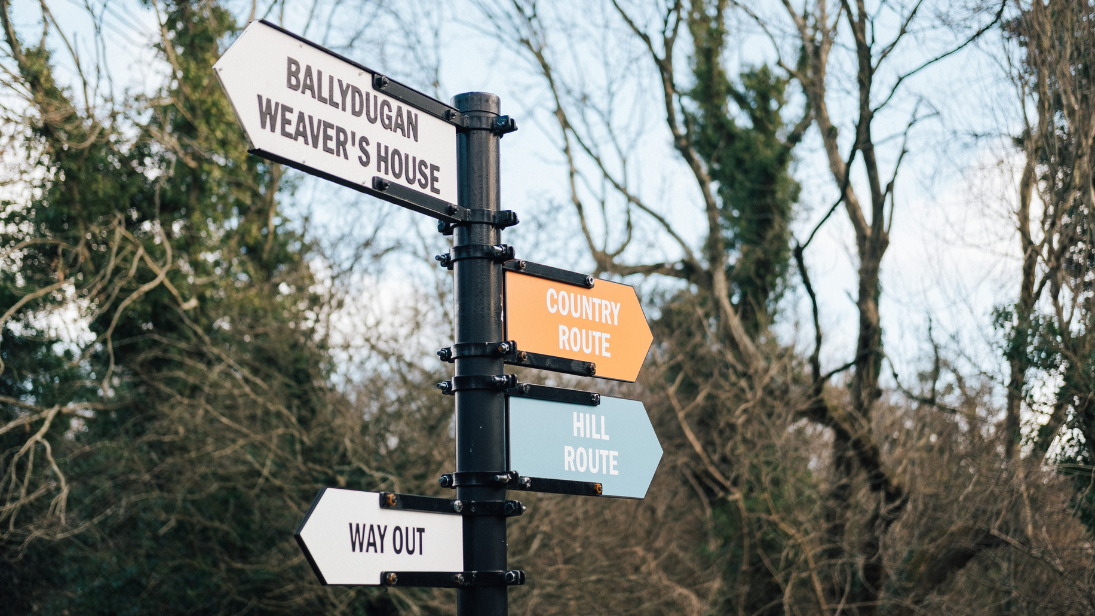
{"x":480,"y":413}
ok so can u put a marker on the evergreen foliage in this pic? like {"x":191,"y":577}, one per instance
{"x":187,"y":439}
{"x":739,"y":131}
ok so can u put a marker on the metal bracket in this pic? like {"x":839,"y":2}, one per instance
{"x":549,"y":362}
{"x":556,"y":486}
{"x":448,"y":215}
{"x":515,"y":357}
{"x":550,"y":273}
{"x":463,"y":579}
{"x":431,"y":504}
{"x":499,"y":125}
{"x":555,"y":394}
{"x":477,"y":381}
{"x":500,"y":219}
{"x":443,"y":211}
{"x":476,"y":349}
{"x":413,"y":502}
{"x":498,"y":253}
{"x":503,"y":508}
{"x":512,"y":480}
{"x":432,"y":106}
{"x":477,"y":478}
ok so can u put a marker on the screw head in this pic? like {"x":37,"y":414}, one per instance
{"x":458,"y":578}
{"x":596,"y":398}
{"x":389,"y":500}
{"x":592,"y":369}
{"x":457,"y":506}
{"x":390,"y":578}
{"x":589,"y":281}
{"x":526,"y":482}
{"x":522,"y":265}
{"x":522,"y":356}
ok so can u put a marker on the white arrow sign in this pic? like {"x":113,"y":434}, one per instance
{"x":349,"y":539}
{"x":308,"y":107}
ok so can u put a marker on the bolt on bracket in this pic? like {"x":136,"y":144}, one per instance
{"x":462,"y":579}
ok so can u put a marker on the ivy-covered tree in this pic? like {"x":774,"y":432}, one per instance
{"x":739,"y":132}
{"x":159,"y":461}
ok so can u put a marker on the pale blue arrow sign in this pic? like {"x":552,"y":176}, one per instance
{"x":612,"y":443}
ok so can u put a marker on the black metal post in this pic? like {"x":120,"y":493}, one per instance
{"x":480,"y":413}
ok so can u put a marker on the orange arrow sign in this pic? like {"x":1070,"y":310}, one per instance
{"x":604,"y":324}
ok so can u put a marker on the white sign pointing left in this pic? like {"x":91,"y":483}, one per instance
{"x":350,"y":540}
{"x":310,"y":108}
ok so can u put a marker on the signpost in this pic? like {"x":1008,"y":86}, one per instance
{"x":310,"y":108}
{"x":611,"y":443}
{"x":595,"y":321}
{"x":349,"y":539}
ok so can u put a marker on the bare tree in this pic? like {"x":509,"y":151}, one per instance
{"x":737,"y":401}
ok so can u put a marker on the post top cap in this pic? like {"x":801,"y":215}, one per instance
{"x":477,"y":101}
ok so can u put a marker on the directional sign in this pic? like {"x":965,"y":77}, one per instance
{"x":308,"y":107}
{"x":612,"y":443}
{"x":603,"y":324}
{"x":349,"y":539}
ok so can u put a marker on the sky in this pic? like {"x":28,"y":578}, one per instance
{"x":952,"y":255}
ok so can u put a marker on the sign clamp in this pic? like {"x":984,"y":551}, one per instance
{"x":552,"y":363}
{"x":549,"y":273}
{"x":417,"y":202}
{"x":448,"y":215}
{"x":464,"y":579}
{"x":432,"y":504}
{"x":499,"y":125}
{"x":499,"y":219}
{"x":555,"y":394}
{"x":500,"y":252}
{"x":512,"y":480}
{"x":477,"y":381}
{"x":558,"y":486}
{"x":445,"y":212}
{"x":476,"y":349}
{"x":402,"y":93}
{"x":512,"y":356}
{"x":492,"y":479}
